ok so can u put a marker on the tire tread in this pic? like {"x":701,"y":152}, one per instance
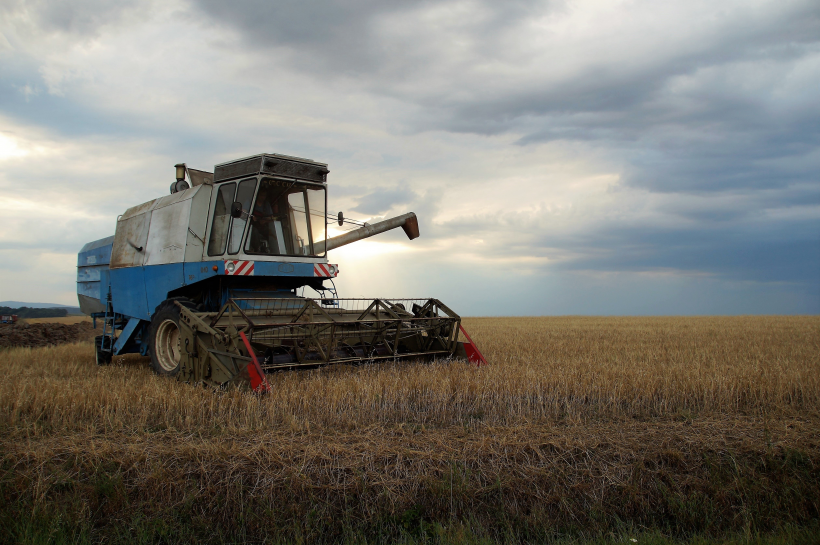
{"x":166,"y":309}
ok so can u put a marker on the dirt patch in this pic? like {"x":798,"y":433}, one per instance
{"x":44,"y":334}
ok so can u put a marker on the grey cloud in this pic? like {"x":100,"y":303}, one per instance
{"x":322,"y":35}
{"x":728,"y":161}
{"x":722,"y":89}
{"x":342,"y":38}
{"x":426,"y":205}
{"x":751,"y":255}
{"x":633,"y":93}
{"x":339,"y":190}
{"x":732,"y":241}
{"x":383,"y":199}
{"x":339,"y":38}
{"x":79,"y":17}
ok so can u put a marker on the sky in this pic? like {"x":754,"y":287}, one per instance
{"x":563,"y":157}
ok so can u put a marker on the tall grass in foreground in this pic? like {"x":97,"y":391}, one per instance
{"x":579,"y":427}
{"x":541,"y":370}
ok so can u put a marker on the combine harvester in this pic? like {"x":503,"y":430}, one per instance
{"x":205,"y":280}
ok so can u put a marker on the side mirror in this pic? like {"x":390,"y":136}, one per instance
{"x":236,"y":209}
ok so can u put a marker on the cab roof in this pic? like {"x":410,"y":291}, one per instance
{"x":274,"y":164}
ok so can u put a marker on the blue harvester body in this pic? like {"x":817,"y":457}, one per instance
{"x":159,"y":250}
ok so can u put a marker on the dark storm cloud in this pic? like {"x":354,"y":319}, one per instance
{"x":770,"y":235}
{"x":620,"y":98}
{"x":337,"y":37}
{"x":735,"y":162}
{"x":706,"y":116}
{"x":788,"y":252}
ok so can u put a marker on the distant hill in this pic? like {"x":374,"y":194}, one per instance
{"x":25,"y":312}
{"x":18,"y":304}
{"x":15,"y":305}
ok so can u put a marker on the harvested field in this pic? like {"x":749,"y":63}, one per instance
{"x":44,"y":333}
{"x":73,"y":319}
{"x":579,"y":427}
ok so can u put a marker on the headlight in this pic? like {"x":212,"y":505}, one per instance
{"x":230,"y":266}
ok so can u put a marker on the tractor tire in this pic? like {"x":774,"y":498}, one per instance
{"x":103,"y":357}
{"x":164,"y":340}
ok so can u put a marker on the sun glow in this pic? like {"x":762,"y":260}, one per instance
{"x":365,"y":249}
{"x":9,"y":149}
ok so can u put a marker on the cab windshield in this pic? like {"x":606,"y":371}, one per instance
{"x":287,"y":218}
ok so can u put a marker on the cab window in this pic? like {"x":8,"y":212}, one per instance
{"x":282,"y":221}
{"x":244,"y":195}
{"x":222,"y":219}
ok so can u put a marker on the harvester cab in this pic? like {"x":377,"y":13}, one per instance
{"x":205,"y":280}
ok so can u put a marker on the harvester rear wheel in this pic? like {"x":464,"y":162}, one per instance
{"x":164,"y":341}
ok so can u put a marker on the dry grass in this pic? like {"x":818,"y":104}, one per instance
{"x":576,"y":422}
{"x":541,"y":370}
{"x":74,"y":319}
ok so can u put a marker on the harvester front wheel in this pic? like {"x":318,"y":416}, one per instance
{"x":164,"y":341}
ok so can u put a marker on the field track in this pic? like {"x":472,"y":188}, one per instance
{"x":579,"y":426}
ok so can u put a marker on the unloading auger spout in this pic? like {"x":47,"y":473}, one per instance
{"x":409,"y":222}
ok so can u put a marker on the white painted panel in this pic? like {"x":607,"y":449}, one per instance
{"x":168,"y":233}
{"x":174,"y":198}
{"x":139,"y":209}
{"x":131,"y":234}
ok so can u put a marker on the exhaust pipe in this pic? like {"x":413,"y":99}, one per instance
{"x":409,"y":222}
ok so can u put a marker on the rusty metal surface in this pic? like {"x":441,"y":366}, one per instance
{"x":278,"y":165}
{"x":158,"y":232}
{"x":168,"y":233}
{"x":199,"y":177}
{"x":130,"y":237}
{"x":295,"y":332}
{"x":412,"y":231}
{"x":137,"y":210}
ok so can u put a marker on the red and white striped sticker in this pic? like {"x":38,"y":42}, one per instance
{"x":325,"y":270}
{"x":238,"y":268}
